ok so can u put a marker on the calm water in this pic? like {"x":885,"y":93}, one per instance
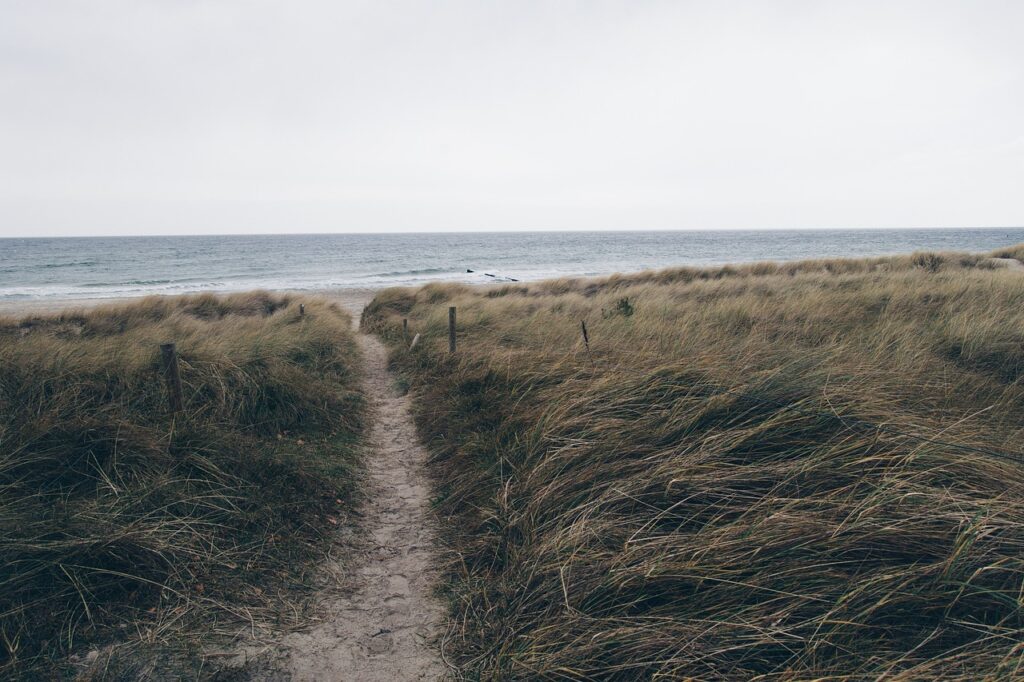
{"x":113,"y":267}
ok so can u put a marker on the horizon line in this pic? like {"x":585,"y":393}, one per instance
{"x":517,"y":231}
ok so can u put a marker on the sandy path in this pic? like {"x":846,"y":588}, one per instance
{"x":386,"y":627}
{"x":1009,"y":263}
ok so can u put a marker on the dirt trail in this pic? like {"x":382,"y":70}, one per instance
{"x":1009,"y":263}
{"x":386,"y":627}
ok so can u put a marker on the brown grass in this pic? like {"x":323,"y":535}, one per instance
{"x":120,"y":524}
{"x":772,"y":471}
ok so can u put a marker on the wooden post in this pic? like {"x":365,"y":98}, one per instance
{"x":451,"y":329}
{"x":173,"y":376}
{"x":405,"y":327}
{"x":302,"y":309}
{"x":586,"y":341}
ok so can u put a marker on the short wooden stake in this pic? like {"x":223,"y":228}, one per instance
{"x":169,"y":355}
{"x":586,"y":340}
{"x":302,"y":309}
{"x":405,"y":326}
{"x":451,"y":329}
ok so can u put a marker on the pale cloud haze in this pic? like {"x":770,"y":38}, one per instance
{"x":221,"y":116}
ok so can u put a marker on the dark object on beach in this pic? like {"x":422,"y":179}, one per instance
{"x":512,"y":279}
{"x":468,"y":270}
{"x":487,"y":274}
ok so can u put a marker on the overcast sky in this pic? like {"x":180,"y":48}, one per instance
{"x":219,"y":116}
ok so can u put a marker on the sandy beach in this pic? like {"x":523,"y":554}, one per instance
{"x":352,"y":299}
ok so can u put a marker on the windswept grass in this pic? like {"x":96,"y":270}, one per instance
{"x":120,"y":524}
{"x":788,"y":471}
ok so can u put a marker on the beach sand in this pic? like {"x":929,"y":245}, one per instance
{"x":352,"y":299}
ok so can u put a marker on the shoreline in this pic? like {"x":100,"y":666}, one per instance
{"x":352,"y":299}
{"x":61,"y":274}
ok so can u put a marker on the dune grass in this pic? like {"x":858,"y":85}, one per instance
{"x":789,"y":471}
{"x":122,"y":524}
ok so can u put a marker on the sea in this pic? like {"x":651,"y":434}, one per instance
{"x":115,"y":267}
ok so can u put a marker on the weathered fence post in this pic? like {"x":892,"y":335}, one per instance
{"x":302,"y":309}
{"x":405,"y":327}
{"x":451,"y":329}
{"x":586,"y":341}
{"x":170,"y":361}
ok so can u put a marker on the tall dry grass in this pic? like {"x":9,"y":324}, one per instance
{"x":120,"y":523}
{"x":774,"y":471}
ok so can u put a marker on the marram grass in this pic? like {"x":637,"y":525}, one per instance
{"x":123,"y":525}
{"x":800,"y":471}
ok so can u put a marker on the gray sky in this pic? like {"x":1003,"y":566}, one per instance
{"x":217,"y":116}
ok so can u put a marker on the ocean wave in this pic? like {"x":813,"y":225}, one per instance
{"x":49,"y":266}
{"x":129,"y":282}
{"x":143,"y":287}
{"x":405,"y":273}
{"x":87,"y":291}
